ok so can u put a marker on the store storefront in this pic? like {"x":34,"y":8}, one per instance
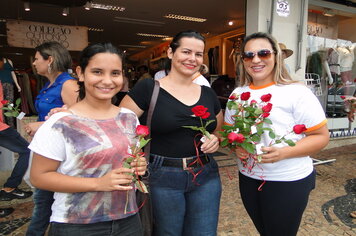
{"x":330,"y":65}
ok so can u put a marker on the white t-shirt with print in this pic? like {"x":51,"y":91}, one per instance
{"x":88,"y":148}
{"x":292,"y":104}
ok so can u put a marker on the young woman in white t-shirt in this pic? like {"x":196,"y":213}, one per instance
{"x":287,"y":172}
{"x":79,"y":155}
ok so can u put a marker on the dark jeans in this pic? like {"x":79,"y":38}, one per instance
{"x":130,"y":226}
{"x":276,"y":210}
{"x":12,"y":140}
{"x":41,"y":213}
{"x":181,"y":206}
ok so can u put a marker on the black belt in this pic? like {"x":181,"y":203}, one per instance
{"x":185,"y":163}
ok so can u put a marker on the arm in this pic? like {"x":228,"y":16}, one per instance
{"x":313,"y":142}
{"x":69,"y":92}
{"x":44,"y":175}
{"x":128,"y":103}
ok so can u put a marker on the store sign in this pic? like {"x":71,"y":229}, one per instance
{"x":283,"y":8}
{"x":28,"y":34}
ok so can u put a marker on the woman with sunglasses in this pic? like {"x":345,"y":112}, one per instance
{"x":286,"y":171}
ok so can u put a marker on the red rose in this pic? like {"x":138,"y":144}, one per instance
{"x":245,"y":96}
{"x":4,"y":102}
{"x":298,"y":129}
{"x":342,"y":97}
{"x":142,"y":130}
{"x":267,"y":108}
{"x":200,"y":111}
{"x":265,"y":115}
{"x":206,"y":115}
{"x":232,"y":137}
{"x":233,"y":96}
{"x":253,"y":101}
{"x":266,"y":97}
{"x":240,"y":138}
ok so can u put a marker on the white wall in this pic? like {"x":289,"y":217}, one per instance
{"x":284,"y":29}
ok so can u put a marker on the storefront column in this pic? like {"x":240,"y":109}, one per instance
{"x":288,"y":27}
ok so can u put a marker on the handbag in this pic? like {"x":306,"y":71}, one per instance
{"x":145,"y":212}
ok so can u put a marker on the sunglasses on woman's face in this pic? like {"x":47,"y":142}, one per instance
{"x":262,"y":54}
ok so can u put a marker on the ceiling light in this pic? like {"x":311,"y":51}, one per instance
{"x":65,"y":11}
{"x":187,"y":18}
{"x":87,"y":6}
{"x":26,"y":6}
{"x":107,"y":7}
{"x":328,"y":12}
{"x":152,"y":35}
{"x":96,"y":29}
{"x":230,"y":23}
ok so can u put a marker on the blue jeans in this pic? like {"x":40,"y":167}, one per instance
{"x":41,"y":213}
{"x":12,"y":140}
{"x":130,"y":226}
{"x":181,"y":206}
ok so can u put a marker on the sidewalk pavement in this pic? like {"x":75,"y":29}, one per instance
{"x":327,"y":213}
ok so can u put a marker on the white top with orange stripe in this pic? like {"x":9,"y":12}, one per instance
{"x":292,"y":104}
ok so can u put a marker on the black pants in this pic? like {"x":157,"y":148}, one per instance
{"x":276,"y":210}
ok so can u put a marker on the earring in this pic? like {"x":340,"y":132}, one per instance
{"x":49,"y":69}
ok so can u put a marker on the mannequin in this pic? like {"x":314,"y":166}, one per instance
{"x":346,"y":61}
{"x":8,"y":79}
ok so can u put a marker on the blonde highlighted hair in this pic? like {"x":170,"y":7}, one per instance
{"x":281,"y":75}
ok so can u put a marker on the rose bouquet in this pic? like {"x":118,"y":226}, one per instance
{"x":250,"y":123}
{"x":12,"y":110}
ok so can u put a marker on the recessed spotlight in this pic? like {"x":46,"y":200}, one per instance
{"x":328,"y":12}
{"x":187,"y":18}
{"x":27,"y":6}
{"x":230,"y":23}
{"x":65,"y":11}
{"x":87,"y":6}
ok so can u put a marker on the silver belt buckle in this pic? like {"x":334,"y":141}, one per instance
{"x":185,"y":167}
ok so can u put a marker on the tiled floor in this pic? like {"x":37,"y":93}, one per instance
{"x":327,"y":213}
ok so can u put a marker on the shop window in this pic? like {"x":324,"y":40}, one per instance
{"x":331,"y":68}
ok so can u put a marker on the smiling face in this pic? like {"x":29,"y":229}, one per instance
{"x":41,"y":64}
{"x":188,"y":57}
{"x":261,"y":70}
{"x":102,"y":77}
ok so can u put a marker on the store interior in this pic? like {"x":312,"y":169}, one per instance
{"x":143,"y":30}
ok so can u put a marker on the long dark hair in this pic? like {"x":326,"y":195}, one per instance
{"x":88,"y":53}
{"x":185,"y":34}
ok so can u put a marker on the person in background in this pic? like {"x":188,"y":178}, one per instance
{"x":199,"y":78}
{"x":8,"y":79}
{"x":287,"y":171}
{"x":79,"y":154}
{"x":12,"y":140}
{"x":285,"y":54}
{"x":52,"y":60}
{"x":184,"y":179}
{"x":143,"y":73}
